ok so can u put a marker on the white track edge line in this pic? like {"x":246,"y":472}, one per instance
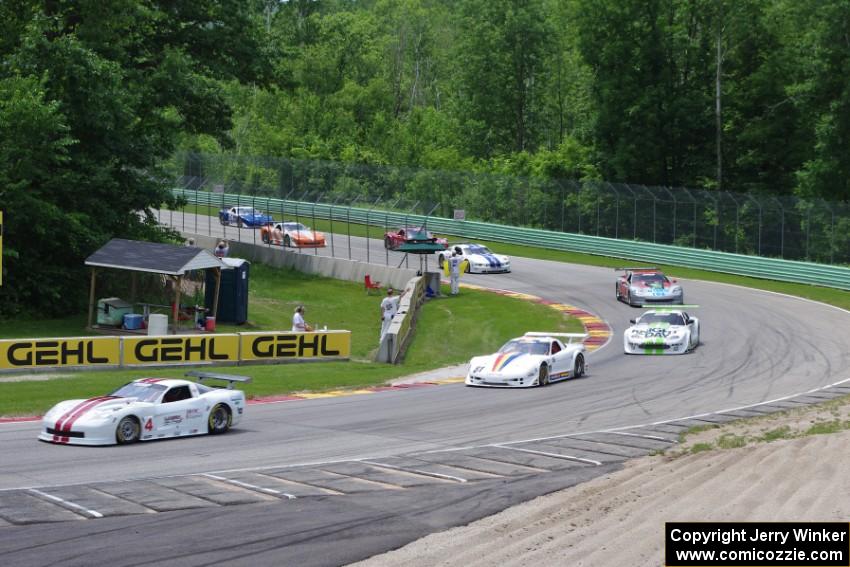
{"x":93,"y":513}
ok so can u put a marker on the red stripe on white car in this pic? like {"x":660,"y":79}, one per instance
{"x":68,"y":418}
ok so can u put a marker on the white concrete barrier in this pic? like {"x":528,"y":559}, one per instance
{"x":337,"y":268}
{"x":397,"y":338}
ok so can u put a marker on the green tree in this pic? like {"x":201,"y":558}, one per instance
{"x":114,"y":82}
{"x":498,"y":73}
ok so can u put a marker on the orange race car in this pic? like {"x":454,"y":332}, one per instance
{"x":292,"y":234}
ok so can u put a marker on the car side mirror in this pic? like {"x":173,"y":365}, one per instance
{"x":632,"y":321}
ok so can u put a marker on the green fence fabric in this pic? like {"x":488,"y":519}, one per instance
{"x":739,"y":264}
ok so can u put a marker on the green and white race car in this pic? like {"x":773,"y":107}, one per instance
{"x":662,"y":331}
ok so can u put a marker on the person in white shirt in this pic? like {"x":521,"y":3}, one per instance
{"x":389,"y":307}
{"x":298,"y":323}
{"x":454,"y":271}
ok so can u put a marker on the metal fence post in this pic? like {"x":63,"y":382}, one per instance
{"x":616,"y":211}
{"x":832,"y":238}
{"x":315,"y":201}
{"x":561,"y":185}
{"x":634,"y":213}
{"x":808,"y":229}
{"x":348,"y":228}
{"x":672,"y":196}
{"x":737,"y":218}
{"x":758,"y":204}
{"x":781,"y":227}
{"x":331,"y":230}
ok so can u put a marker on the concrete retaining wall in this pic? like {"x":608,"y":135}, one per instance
{"x":398,"y":335}
{"x":337,"y":268}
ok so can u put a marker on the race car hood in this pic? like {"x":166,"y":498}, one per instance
{"x":257,"y":218}
{"x":306,"y":235}
{"x":505,"y":364}
{"x":663,"y":331}
{"x":82,"y":410}
{"x":668,"y":288}
{"x":494,"y":260}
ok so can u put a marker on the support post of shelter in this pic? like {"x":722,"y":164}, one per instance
{"x":91,"y":297}
{"x":177,"y":289}
{"x":134,"y":284}
{"x":217,"y":289}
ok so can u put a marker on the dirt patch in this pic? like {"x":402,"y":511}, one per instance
{"x":781,"y":470}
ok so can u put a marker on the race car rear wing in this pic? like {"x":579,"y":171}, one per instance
{"x":639,"y":269}
{"x":569,"y":336}
{"x":229,"y":378}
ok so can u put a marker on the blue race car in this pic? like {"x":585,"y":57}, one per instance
{"x":244,"y":216}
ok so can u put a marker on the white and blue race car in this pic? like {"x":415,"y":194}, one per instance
{"x":479,"y":259}
{"x":244,"y":216}
{"x":534,"y":359}
{"x":662,"y":331}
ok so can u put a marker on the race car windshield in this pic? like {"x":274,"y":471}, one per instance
{"x":244,"y":211}
{"x":479,"y":250}
{"x":295,"y":226}
{"x":670,"y":318}
{"x":651,"y":280}
{"x":526,"y":347}
{"x":142,"y":392}
{"x":416,"y":234}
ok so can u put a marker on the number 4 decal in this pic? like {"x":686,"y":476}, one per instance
{"x":149,"y":424}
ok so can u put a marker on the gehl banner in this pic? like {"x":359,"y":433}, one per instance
{"x":172,"y":349}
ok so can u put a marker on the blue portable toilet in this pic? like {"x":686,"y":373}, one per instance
{"x":233,"y":292}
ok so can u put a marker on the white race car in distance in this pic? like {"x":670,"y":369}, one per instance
{"x":147,"y":409}
{"x":662,"y":331}
{"x":480,"y":259}
{"x":534,"y":359}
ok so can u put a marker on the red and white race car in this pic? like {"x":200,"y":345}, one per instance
{"x":644,"y":286}
{"x":147,"y":409}
{"x":415,"y":239}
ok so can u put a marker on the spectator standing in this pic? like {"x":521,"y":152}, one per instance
{"x":299,"y":325}
{"x":389,"y":307}
{"x":454,"y":271}
{"x":222,"y":249}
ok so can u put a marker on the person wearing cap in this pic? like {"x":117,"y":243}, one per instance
{"x":222,"y":249}
{"x":389,"y":307}
{"x":299,"y":325}
{"x":454,"y":271}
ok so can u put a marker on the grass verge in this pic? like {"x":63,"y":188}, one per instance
{"x":825,"y":418}
{"x":449,"y":331}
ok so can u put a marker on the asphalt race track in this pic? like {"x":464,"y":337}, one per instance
{"x":330,"y":481}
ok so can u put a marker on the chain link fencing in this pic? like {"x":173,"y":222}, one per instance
{"x":763,"y":225}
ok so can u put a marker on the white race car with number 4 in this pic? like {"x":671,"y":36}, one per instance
{"x":662,"y":331}
{"x":535,"y":359}
{"x":147,"y":409}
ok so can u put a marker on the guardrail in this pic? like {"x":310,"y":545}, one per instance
{"x":753,"y":266}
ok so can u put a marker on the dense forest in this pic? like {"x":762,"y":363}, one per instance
{"x":751,"y":96}
{"x":745,"y":95}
